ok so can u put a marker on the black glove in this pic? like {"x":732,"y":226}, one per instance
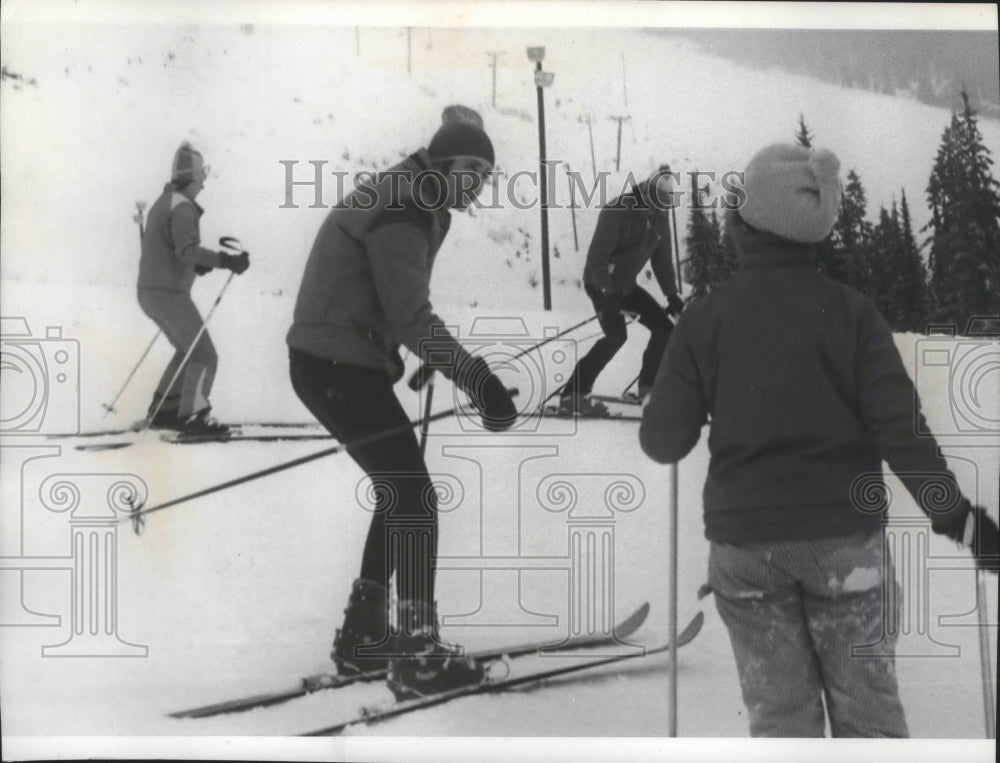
{"x":420,"y":377}
{"x":611,"y":305}
{"x":675,"y":305}
{"x":238,"y":263}
{"x":488,"y":395}
{"x":203,"y":269}
{"x":980,"y":533}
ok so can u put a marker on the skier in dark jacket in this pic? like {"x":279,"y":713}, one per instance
{"x":365,"y":291}
{"x":807,"y":396}
{"x":172,"y":256}
{"x":631,"y":231}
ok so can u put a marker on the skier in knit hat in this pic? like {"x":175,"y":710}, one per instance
{"x":365,"y":292}
{"x":807,"y":395}
{"x":172,"y":256}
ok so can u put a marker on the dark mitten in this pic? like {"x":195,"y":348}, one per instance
{"x":977,"y":530}
{"x":420,"y":377}
{"x":203,"y":269}
{"x":487,"y":394}
{"x":238,"y":263}
{"x":675,"y":305}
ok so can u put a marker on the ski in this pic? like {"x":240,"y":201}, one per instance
{"x":139,"y":426}
{"x":321,"y":681}
{"x":177,"y":438}
{"x":627,"y":399}
{"x":375,"y":714}
{"x":553,"y":411}
{"x":258,"y":433}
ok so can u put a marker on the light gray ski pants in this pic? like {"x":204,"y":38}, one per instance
{"x":175,"y":313}
{"x":807,"y":623}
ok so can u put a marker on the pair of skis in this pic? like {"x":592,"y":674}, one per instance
{"x":251,"y":432}
{"x":625,"y":408}
{"x":374,"y":714}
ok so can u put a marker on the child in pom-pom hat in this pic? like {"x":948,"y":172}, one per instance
{"x":806,"y":395}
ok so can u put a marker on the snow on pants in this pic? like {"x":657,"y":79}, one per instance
{"x":353,"y":402}
{"x":176,"y":315}
{"x":797,"y":613}
{"x":650,"y":315}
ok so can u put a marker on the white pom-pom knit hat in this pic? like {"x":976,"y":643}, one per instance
{"x":793,"y":192}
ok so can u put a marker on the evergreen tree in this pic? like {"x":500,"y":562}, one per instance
{"x":884,"y":250}
{"x":965,"y":240}
{"x":726,"y":259}
{"x":908,"y":290}
{"x":846,"y":255}
{"x":701,"y":245}
{"x":803,"y":137}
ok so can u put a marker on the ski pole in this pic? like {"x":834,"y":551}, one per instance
{"x":140,"y":511}
{"x":425,"y":425}
{"x":631,"y":384}
{"x":984,"y":655}
{"x":187,"y":355}
{"x":422,"y":375}
{"x":140,"y":207}
{"x":672,"y":601}
{"x":563,"y":333}
{"x":110,"y":407}
{"x":677,"y":250}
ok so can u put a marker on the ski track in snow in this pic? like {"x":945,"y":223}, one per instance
{"x":242,"y":592}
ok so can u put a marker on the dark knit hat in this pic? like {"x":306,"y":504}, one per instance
{"x":461,"y":134}
{"x":183,"y":169}
{"x":793,"y":192}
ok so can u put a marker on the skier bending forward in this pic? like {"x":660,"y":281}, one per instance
{"x":365,"y":291}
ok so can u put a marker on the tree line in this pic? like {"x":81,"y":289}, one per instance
{"x":883,"y":259}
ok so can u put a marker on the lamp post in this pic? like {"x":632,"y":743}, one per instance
{"x":543,"y":80}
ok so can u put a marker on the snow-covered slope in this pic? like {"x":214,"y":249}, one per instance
{"x":243,"y":592}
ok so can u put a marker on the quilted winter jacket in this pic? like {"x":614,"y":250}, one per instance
{"x":629,"y":233}
{"x":807,"y":396}
{"x":171,"y":244}
{"x":366,"y":286}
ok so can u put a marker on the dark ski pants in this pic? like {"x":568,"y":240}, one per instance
{"x":353,"y":402}
{"x":808,"y":623}
{"x":176,"y":315}
{"x":650,"y":315}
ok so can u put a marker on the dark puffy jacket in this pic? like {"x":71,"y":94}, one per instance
{"x":630,"y":232}
{"x":806,"y":393}
{"x":366,"y":286}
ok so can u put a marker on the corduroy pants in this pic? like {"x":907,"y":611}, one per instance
{"x":808,"y":625}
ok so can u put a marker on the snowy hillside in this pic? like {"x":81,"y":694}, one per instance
{"x":242,"y":592}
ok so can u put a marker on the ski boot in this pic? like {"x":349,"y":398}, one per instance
{"x":201,"y":424}
{"x":582,"y":405}
{"x":423,"y":664}
{"x":362,"y":644}
{"x":639,"y":396}
{"x":166,"y":417}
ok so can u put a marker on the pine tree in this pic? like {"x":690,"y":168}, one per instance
{"x":965,"y":240}
{"x":701,"y":245}
{"x":846,"y":255}
{"x":803,"y":137}
{"x":909,"y":291}
{"x":725,"y":258}
{"x":884,"y":249}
